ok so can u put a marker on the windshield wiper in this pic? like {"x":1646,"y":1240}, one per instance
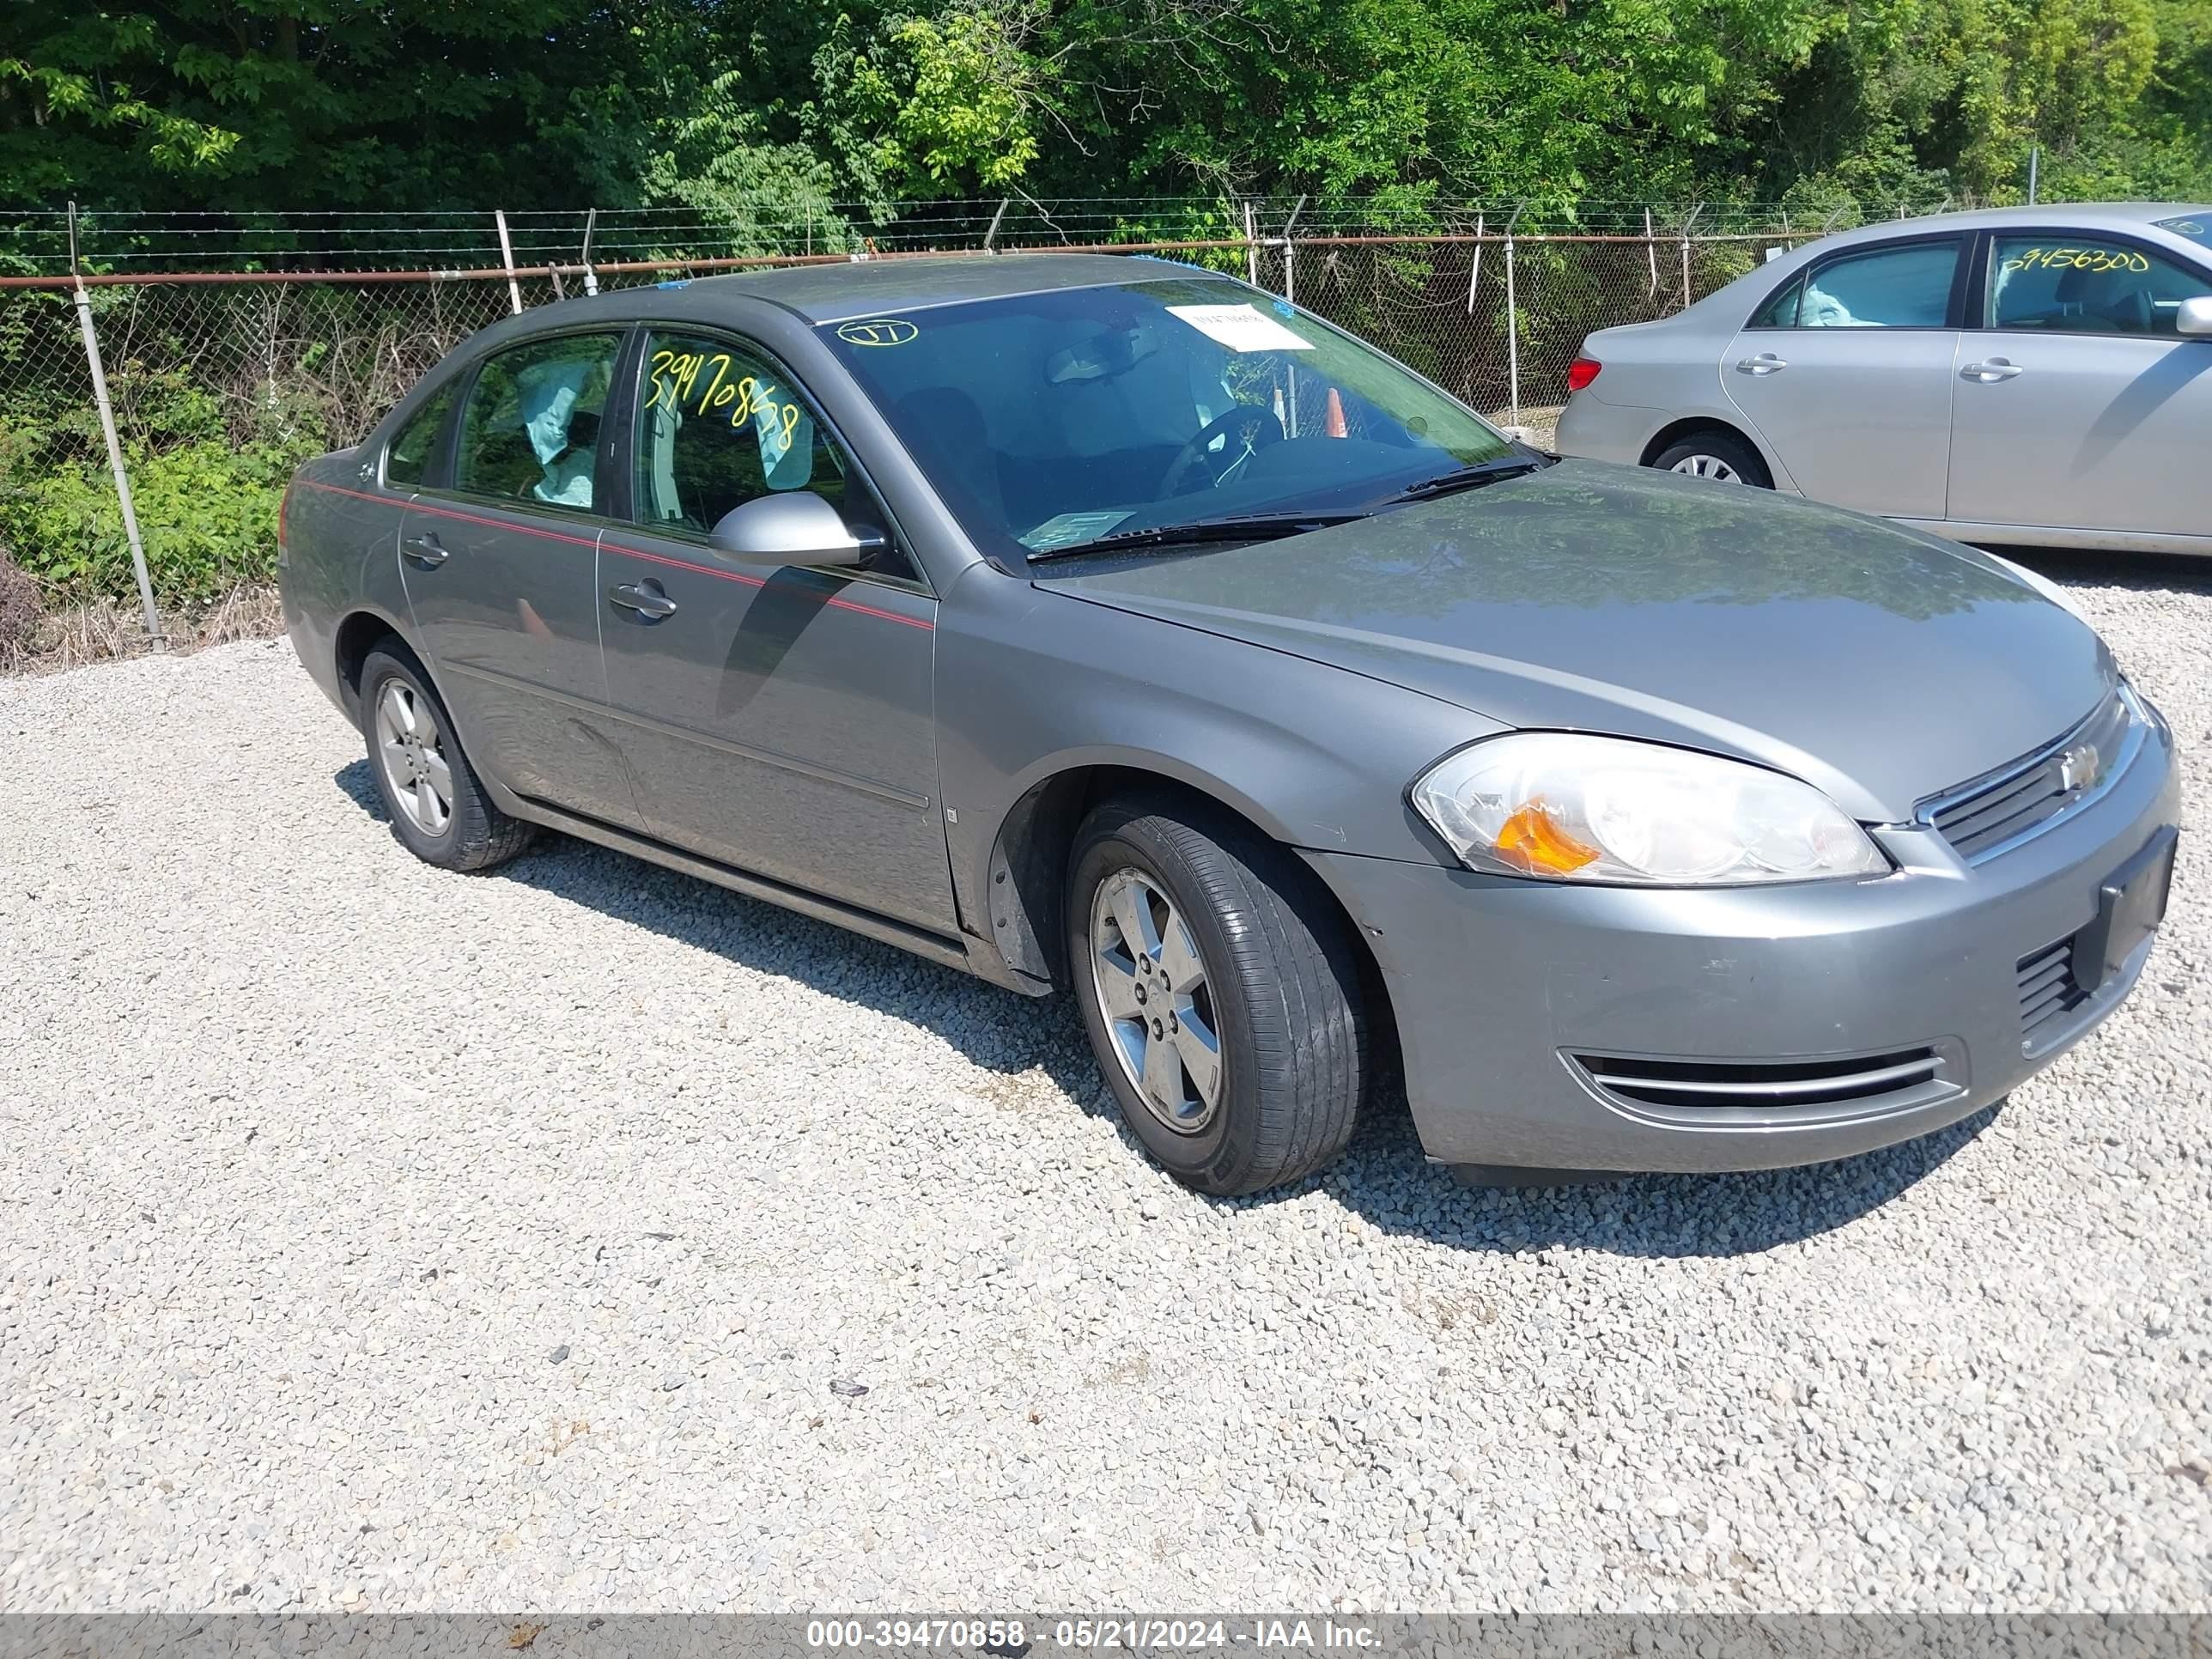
{"x":1243,"y":527}
{"x":1466,"y":478}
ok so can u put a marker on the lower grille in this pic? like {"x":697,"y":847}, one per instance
{"x":2048,"y":990}
{"x":1764,"y":1085}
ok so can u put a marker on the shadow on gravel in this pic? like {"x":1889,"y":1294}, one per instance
{"x":1382,"y":1176}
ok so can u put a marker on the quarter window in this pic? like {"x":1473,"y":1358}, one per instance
{"x":531,"y":428}
{"x":2062,"y":285}
{"x":406,"y":462}
{"x":1891,"y":287}
{"x":717,"y":428}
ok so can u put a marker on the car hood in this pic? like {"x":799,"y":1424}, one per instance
{"x":1879,"y":664}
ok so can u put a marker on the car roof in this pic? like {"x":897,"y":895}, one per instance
{"x":838,"y":291}
{"x":2085,"y":216}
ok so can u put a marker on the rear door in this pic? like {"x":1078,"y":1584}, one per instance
{"x":2079,"y":406}
{"x":499,"y":556}
{"x":780,"y":719}
{"x":1846,"y":371}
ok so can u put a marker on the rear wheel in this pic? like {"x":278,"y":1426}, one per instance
{"x":1221,"y":991}
{"x":1720,"y":456}
{"x":438,"y":807}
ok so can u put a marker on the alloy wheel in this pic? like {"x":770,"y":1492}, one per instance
{"x":1707,"y":467}
{"x":1157,"y":1001}
{"x":411,"y":749}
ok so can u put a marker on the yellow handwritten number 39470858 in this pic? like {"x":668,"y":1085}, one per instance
{"x":676,"y":376}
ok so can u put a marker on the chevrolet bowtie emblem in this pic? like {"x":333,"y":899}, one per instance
{"x":2077,"y":766}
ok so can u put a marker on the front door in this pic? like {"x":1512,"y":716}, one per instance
{"x":2078,"y":405}
{"x":1847,"y":375}
{"x":500,"y":565}
{"x":780,"y":719}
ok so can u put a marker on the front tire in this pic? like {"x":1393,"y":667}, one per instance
{"x":1221,"y":991}
{"x":1722,"y":457}
{"x":437,"y":804}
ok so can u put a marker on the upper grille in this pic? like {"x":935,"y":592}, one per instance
{"x":1982,"y":819}
{"x":2048,"y":990}
{"x":1704,"y":1085}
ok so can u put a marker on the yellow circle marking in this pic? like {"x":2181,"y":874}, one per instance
{"x":877,"y":331}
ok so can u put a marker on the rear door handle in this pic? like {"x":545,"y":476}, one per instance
{"x":1989,"y":373}
{"x":1766,"y":364}
{"x":425,"y":550}
{"x":646,"y":598}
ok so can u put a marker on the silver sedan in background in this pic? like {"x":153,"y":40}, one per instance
{"x":2038,"y":374}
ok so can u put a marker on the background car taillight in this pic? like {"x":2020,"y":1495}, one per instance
{"x":1581,"y":371}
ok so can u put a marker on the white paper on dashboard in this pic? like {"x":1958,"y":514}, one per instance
{"x":1241,"y":328}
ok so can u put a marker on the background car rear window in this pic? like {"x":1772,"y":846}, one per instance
{"x":411,"y":451}
{"x":2075,"y":285}
{"x":1891,"y":287}
{"x":531,"y":429}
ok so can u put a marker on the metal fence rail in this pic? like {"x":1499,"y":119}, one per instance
{"x":278,"y":363}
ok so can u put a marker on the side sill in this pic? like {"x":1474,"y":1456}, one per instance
{"x":939,"y":948}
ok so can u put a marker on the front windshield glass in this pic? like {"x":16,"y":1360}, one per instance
{"x":2196,"y":226}
{"x":1046,"y":420}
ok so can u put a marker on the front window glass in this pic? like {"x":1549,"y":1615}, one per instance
{"x":717,"y":428}
{"x":409,"y":454}
{"x":1046,"y":420}
{"x":2054,"y":284}
{"x":531,"y":429}
{"x":1892,"y":287}
{"x":2196,"y":226}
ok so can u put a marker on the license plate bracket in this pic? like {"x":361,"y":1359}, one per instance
{"x":2130,"y":904}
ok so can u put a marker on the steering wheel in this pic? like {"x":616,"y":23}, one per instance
{"x":1254,"y":423}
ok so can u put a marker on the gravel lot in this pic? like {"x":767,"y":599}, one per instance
{"x":580,"y":1236}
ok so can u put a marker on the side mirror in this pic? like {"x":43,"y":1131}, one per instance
{"x":2194,"y":316}
{"x":790,"y":526}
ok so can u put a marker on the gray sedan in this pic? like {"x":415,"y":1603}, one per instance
{"x":2020,"y":375}
{"x":1108,"y":626}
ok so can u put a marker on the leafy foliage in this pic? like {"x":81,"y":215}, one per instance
{"x":748,"y":113}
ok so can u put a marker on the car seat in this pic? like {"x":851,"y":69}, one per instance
{"x":947,"y":426}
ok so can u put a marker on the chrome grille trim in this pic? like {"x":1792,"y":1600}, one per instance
{"x":1683,"y":1088}
{"x":1996,"y":812}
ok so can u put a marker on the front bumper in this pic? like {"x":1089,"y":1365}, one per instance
{"x":1514,"y":999}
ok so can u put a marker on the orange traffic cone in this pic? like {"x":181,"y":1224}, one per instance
{"x":1334,"y":426}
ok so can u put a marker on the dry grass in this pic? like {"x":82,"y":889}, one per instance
{"x":108,"y":630}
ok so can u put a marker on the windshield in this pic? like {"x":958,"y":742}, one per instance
{"x":2196,"y":226}
{"x":1046,"y":420}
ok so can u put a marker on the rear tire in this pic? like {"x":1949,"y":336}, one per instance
{"x":1722,"y":457}
{"x":1234,"y":1036}
{"x":437,"y":804}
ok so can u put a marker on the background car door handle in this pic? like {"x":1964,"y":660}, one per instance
{"x":424,"y":551}
{"x":647,"y":599}
{"x":1989,"y":373}
{"x":1766,"y":364}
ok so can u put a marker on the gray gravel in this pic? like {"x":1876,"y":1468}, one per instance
{"x":582,"y":1236}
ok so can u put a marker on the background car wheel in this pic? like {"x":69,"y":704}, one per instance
{"x":438,"y":808}
{"x":1221,"y":991}
{"x":1721,"y":456}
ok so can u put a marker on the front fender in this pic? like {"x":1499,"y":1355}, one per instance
{"x":1033,"y":684}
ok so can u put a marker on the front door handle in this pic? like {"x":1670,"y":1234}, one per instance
{"x":1991,"y":372}
{"x":425,"y":550}
{"x":644,"y":598}
{"x":1766,"y":364}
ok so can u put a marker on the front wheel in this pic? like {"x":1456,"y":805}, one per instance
{"x":1220,"y":988}
{"x":1720,"y":456}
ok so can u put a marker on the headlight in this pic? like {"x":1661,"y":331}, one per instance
{"x":1568,"y":807}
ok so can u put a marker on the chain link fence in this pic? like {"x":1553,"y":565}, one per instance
{"x":220,"y":381}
